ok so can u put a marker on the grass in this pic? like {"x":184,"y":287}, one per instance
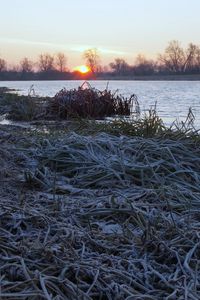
{"x":100,"y":210}
{"x":84,"y":102}
{"x":84,"y":106}
{"x":86,"y":215}
{"x":87,"y":102}
{"x":21,"y":108}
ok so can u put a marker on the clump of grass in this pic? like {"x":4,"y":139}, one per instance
{"x":87,"y":102}
{"x":22,"y":108}
{"x":147,"y":125}
{"x":3,"y":90}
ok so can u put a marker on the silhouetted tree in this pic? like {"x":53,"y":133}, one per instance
{"x":92,"y":59}
{"x":177,"y":60}
{"x":26,"y":65}
{"x":189,"y":57}
{"x":46,"y":62}
{"x":144,"y":66}
{"x":197,"y":59}
{"x":3,"y":65}
{"x":192,"y":62}
{"x":173,"y":57}
{"x":61,"y":62}
{"x":119,"y":66}
{"x":15,"y":68}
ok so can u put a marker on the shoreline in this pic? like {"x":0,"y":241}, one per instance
{"x":120,"y":78}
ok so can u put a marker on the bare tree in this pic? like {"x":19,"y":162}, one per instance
{"x":144,"y":66}
{"x":119,"y":66}
{"x":192,"y":62}
{"x":15,"y":68}
{"x":26,"y":65}
{"x":46,"y":62}
{"x":197,"y":59}
{"x":92,"y":59}
{"x":3,"y":65}
{"x":176,"y":59}
{"x":173,"y":57}
{"x":61,"y":62}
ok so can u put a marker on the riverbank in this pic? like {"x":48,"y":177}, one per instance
{"x":158,"y":77}
{"x":155,"y":77}
{"x":99,"y":215}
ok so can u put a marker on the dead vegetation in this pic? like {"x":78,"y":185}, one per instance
{"x":100,"y":216}
{"x":87,"y":102}
{"x":98,"y":210}
{"x":83,"y":102}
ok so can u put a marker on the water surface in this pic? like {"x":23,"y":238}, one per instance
{"x":173,"y":98}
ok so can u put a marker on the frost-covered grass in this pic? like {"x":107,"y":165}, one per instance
{"x":21,"y":108}
{"x":100,"y":215}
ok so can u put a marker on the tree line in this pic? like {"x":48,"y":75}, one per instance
{"x":174,"y":60}
{"x":48,"y":66}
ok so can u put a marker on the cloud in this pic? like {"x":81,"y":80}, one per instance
{"x":28,"y":42}
{"x":74,"y":48}
{"x":47,"y":46}
{"x":82,"y":48}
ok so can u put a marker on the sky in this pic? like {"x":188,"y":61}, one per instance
{"x":117,"y":28}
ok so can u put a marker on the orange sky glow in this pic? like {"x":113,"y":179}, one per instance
{"x":83,"y":69}
{"x":116,"y":28}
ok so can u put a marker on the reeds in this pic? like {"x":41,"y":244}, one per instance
{"x":21,"y":108}
{"x":88,"y":102}
{"x":83,"y":102}
{"x":100,"y":217}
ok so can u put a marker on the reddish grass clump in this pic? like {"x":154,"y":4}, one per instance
{"x":87,"y":102}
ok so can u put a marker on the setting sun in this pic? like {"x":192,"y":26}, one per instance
{"x":82,"y":69}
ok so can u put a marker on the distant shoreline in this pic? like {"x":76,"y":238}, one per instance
{"x":154,"y":78}
{"x":195,"y":77}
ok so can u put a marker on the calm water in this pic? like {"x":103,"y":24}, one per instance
{"x":173,"y":97}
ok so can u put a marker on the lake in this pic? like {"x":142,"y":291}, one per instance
{"x":173,"y":98}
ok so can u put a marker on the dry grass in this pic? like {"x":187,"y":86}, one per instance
{"x":83,"y":102}
{"x":99,"y":217}
{"x":87,"y":102}
{"x":22,"y":108}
